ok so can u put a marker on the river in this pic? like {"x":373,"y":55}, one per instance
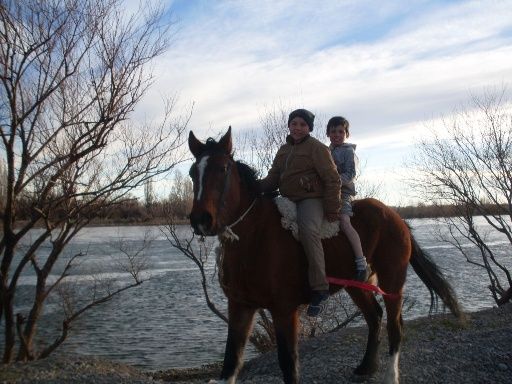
{"x":165,"y":323}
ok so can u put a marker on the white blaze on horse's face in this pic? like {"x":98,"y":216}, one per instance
{"x":200,"y":170}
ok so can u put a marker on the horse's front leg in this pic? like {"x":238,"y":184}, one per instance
{"x":286,"y":327}
{"x":239,"y":327}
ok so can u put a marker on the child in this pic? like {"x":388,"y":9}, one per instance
{"x":344,"y":156}
{"x":304,"y":171}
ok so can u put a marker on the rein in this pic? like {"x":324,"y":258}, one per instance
{"x":361,"y":285}
{"x":228,"y":233}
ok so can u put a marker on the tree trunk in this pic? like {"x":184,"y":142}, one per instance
{"x":505,"y":297}
{"x":26,"y":351}
{"x":10,"y":335}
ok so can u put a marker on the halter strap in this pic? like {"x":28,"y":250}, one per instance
{"x":227,"y":180}
{"x":228,"y":233}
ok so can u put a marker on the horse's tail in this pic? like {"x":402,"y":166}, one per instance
{"x":434,"y":279}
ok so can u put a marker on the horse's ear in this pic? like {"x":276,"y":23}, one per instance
{"x":226,"y":143}
{"x":195,"y":146}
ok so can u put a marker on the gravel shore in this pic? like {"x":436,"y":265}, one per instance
{"x":436,"y":349}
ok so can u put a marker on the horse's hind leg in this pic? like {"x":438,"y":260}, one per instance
{"x":240,"y":325}
{"x":286,"y":326}
{"x":394,"y":326}
{"x":372,"y":313}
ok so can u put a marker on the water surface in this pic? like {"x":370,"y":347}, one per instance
{"x":165,"y":323}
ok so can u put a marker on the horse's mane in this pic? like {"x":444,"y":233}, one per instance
{"x":210,"y":146}
{"x":248,"y":175}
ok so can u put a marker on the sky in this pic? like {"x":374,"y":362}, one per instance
{"x":389,"y":67}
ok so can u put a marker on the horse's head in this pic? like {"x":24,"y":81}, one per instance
{"x":216,"y":184}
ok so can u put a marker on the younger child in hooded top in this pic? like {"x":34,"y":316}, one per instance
{"x":345,"y":159}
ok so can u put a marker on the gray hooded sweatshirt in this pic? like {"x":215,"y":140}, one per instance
{"x":346,"y":161}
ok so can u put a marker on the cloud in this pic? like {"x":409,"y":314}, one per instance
{"x":387,"y":68}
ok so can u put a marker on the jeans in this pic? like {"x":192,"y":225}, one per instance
{"x":310,"y":214}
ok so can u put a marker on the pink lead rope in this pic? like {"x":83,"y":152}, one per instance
{"x":361,"y":285}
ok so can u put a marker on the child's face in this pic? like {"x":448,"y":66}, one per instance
{"x":337,"y":135}
{"x":298,"y":128}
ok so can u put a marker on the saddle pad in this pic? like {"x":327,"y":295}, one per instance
{"x":288,"y":210}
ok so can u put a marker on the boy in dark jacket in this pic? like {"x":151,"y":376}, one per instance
{"x":304,"y":172}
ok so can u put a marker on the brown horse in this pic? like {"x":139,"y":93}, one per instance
{"x":263,"y":266}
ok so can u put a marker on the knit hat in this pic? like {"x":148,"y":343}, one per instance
{"x":308,"y":117}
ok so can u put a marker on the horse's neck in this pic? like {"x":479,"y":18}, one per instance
{"x":247,"y":202}
{"x":259,"y":217}
{"x":247,"y":197}
{"x":257,"y":210}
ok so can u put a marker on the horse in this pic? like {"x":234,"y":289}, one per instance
{"x":263,"y":266}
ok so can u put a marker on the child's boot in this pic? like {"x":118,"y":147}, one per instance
{"x":362,"y":270}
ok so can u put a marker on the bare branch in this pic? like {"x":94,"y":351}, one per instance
{"x":66,"y":325}
{"x":468,"y":164}
{"x":72,"y":72}
{"x":133,"y":259}
{"x":196,"y":250}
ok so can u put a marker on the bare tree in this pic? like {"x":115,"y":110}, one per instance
{"x":179,"y":202}
{"x":469,"y":166}
{"x":149,"y":194}
{"x":130,"y":258}
{"x":71,"y":73}
{"x":3,"y":186}
{"x":266,"y":141}
{"x":197,"y":249}
{"x":259,"y":146}
{"x":366,"y":188}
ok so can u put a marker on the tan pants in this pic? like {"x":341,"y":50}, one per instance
{"x":310,"y":213}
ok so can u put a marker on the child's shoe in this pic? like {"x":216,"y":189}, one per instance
{"x":318,"y":302}
{"x":362,"y":274}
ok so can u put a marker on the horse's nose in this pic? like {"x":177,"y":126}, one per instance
{"x":201,"y":222}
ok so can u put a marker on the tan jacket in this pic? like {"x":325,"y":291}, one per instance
{"x":305,"y":170}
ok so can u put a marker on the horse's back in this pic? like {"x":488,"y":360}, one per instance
{"x":269,"y":264}
{"x":385,"y":240}
{"x":372,"y":217}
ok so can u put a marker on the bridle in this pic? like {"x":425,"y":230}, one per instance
{"x":227,"y":233}
{"x":227,"y":178}
{"x":227,"y":182}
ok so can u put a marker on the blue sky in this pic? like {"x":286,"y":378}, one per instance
{"x":387,"y":66}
